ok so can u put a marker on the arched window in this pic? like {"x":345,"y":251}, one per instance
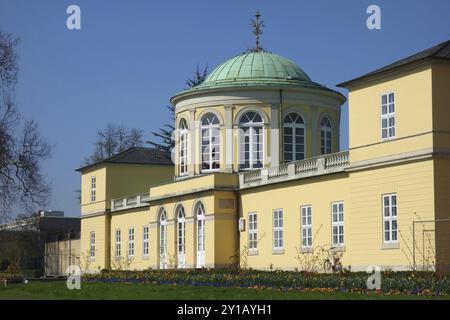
{"x":294,"y":137}
{"x":181,"y":237}
{"x":200,"y":217}
{"x":210,"y":143}
{"x":325,"y":135}
{"x":162,"y":239}
{"x":183,"y":147}
{"x":251,"y":153}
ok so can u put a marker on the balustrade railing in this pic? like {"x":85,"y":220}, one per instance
{"x":294,"y":170}
{"x":130,"y":202}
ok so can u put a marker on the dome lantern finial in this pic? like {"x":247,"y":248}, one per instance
{"x":257,"y":25}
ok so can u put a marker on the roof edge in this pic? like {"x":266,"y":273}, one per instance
{"x":110,"y":160}
{"x":430,"y":54}
{"x":188,"y":93}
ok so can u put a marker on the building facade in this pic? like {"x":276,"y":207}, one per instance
{"x":259,"y":179}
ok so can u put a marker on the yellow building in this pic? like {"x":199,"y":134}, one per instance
{"x":259,"y":179}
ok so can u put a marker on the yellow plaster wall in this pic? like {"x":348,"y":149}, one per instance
{"x":442,"y":205}
{"x":362,"y":193}
{"x":99,"y":225}
{"x":100,"y":204}
{"x":441,"y":104}
{"x":413,"y":96}
{"x":318,"y":192}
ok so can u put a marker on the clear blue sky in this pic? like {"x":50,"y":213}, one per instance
{"x":131,"y":56}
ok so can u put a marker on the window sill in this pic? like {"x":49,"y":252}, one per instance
{"x":277,"y":251}
{"x":210,"y":171}
{"x":306,"y":250}
{"x":390,"y":246}
{"x":253,"y":252}
{"x":338,"y":248}
{"x":117,"y":258}
{"x":91,"y":259}
{"x":130,"y":258}
{"x":145,"y":258}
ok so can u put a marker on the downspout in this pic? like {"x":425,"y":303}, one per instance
{"x":280,"y":131}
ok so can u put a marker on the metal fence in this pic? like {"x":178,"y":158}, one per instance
{"x":431,"y":245}
{"x":59,"y":255}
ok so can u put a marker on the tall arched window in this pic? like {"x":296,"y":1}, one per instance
{"x":210,"y":143}
{"x":200,"y":225}
{"x":183,"y":147}
{"x":162,"y":239}
{"x":294,"y":137}
{"x":325,"y":135}
{"x":181,"y":237}
{"x":251,"y":147}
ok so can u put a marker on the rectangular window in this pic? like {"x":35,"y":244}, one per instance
{"x":390,"y":218}
{"x":93,"y":188}
{"x":92,"y":245}
{"x":145,"y":244}
{"x":337,"y":223}
{"x":278,"y":229}
{"x":252,"y":231}
{"x":131,"y":242}
{"x":118,"y":243}
{"x":388,"y":119}
{"x":306,"y":227}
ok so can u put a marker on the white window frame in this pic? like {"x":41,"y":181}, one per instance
{"x":145,"y":241}
{"x":278,"y":229}
{"x":163,"y":239}
{"x":337,"y":224}
{"x":93,"y":188}
{"x":118,"y":239}
{"x":181,"y":236}
{"x":210,"y":144}
{"x":294,"y":126}
{"x":253,"y":231}
{"x":326,"y":143}
{"x":92,"y":245}
{"x":390,"y":217}
{"x":183,"y":148}
{"x":388,"y":116}
{"x":306,"y":227}
{"x":200,"y":234}
{"x":131,"y":237}
{"x":241,"y":136}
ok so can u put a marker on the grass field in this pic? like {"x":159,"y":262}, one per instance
{"x":120,"y":291}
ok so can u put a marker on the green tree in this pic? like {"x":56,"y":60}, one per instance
{"x":164,"y":135}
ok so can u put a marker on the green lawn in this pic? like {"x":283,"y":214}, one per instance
{"x":58,"y":290}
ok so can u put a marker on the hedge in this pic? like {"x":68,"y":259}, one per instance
{"x":391,"y":282}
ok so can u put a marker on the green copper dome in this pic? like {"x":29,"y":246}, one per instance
{"x":256,"y":69}
{"x":256,"y":65}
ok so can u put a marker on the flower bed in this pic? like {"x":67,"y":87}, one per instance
{"x":392,"y":282}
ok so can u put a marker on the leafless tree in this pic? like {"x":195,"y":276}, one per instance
{"x":22,"y":148}
{"x":113,"y":140}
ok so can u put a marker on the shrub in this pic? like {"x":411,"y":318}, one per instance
{"x":10,"y":277}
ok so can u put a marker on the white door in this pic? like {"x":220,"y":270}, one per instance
{"x":163,"y":244}
{"x":181,"y":243}
{"x":200,"y":241}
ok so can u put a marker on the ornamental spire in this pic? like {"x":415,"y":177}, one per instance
{"x":257,"y":25}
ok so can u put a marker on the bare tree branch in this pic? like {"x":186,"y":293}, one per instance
{"x":113,"y":140}
{"x":22,"y":182}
